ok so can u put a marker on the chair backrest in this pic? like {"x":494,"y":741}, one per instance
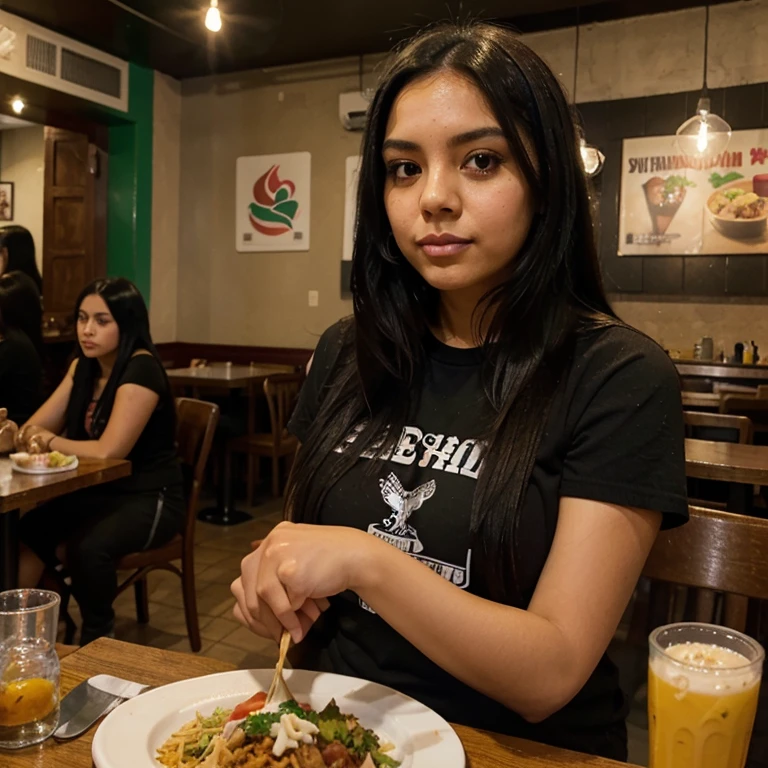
{"x":281,"y":391}
{"x":727,"y":388}
{"x":717,"y":426}
{"x":720,"y":551}
{"x":196,"y":423}
{"x":755,"y":408}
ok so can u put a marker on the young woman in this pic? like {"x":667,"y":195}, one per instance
{"x":115,"y":402}
{"x":487,"y":452}
{"x":21,"y":346}
{"x":17,"y":252}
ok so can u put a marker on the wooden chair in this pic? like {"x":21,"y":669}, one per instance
{"x":281,"y":391}
{"x":718,"y":426}
{"x":734,"y":389}
{"x":194,"y":434}
{"x":722,"y":428}
{"x":755,"y":408}
{"x":715,"y":551}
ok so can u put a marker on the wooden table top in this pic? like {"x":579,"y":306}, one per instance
{"x":729,"y":462}
{"x":157,"y":667}
{"x":701,"y":400}
{"x":231,"y":376}
{"x":20,"y":490}
{"x":710,"y":369}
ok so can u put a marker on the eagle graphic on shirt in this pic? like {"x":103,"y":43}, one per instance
{"x":395,"y":529}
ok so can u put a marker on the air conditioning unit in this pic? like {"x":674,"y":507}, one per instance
{"x":353,"y":107}
{"x":37,"y":55}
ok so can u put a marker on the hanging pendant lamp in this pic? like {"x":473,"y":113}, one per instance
{"x":705,"y":134}
{"x":592,"y":158}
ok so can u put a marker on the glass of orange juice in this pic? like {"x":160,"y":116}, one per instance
{"x":29,"y":667}
{"x":703,"y":684}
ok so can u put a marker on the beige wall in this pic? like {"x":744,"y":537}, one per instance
{"x":261,"y":298}
{"x":678,"y":326}
{"x":22,"y":161}
{"x":166,"y":158}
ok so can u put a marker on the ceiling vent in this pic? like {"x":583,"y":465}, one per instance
{"x":40,"y":56}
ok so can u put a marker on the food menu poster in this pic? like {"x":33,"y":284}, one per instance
{"x":674,"y":205}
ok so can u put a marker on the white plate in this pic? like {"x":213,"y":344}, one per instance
{"x":130,"y":735}
{"x":44,"y":470}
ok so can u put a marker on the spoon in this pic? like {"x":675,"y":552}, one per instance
{"x":278,"y":682}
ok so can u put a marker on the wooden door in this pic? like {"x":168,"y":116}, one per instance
{"x":74,"y":223}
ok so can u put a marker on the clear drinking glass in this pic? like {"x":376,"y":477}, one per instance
{"x":29,"y":667}
{"x":703,"y":684}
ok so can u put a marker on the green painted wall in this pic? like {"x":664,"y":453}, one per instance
{"x":129,"y":213}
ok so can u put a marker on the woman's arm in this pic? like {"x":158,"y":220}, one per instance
{"x":51,"y":415}
{"x":131,"y":411}
{"x":533,"y":661}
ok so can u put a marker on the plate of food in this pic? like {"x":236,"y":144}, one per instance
{"x":739,"y":209}
{"x":219,"y":721}
{"x":43,"y":463}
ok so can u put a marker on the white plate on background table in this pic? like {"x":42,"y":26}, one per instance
{"x":131,"y":734}
{"x":44,"y":470}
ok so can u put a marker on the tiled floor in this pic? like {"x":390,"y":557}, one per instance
{"x":218,"y":552}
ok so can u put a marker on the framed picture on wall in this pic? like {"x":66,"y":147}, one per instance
{"x":675,"y":205}
{"x":6,"y":201}
{"x":272,"y":202}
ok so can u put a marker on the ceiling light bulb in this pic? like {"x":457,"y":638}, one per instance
{"x":213,"y":17}
{"x":705,"y":134}
{"x":17,"y":105}
{"x":702,"y":140}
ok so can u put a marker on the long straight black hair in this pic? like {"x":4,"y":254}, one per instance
{"x":127,"y":307}
{"x":554,"y":291}
{"x":21,"y":252}
{"x":21,"y":308}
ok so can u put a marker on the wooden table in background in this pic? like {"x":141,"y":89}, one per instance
{"x":18,"y":490}
{"x":157,"y":667}
{"x":741,"y":466}
{"x":708,"y":400}
{"x":229,"y":377}
{"x":728,"y":462}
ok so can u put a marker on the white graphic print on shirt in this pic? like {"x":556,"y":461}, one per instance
{"x":445,"y":453}
{"x":395,"y":528}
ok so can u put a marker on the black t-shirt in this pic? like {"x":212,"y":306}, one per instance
{"x":21,"y":376}
{"x":153,"y":458}
{"x":614,"y":434}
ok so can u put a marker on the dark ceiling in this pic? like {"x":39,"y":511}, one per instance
{"x":169,"y":35}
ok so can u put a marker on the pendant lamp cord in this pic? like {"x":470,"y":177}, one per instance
{"x":706,"y":49}
{"x":576,"y":57}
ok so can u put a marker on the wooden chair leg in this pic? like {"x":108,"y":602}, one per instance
{"x":250,"y":482}
{"x":141,"y":594}
{"x":190,"y":605}
{"x":275,"y":476}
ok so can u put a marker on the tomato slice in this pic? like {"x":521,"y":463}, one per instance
{"x":255,"y":703}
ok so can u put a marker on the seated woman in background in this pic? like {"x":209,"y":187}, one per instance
{"x":21,"y":342}
{"x":17,"y":252}
{"x":115,"y":402}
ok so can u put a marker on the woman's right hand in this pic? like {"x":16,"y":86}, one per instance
{"x":33,"y":439}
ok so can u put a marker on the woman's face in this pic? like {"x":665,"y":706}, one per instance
{"x":97,"y":330}
{"x":458,"y":204}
